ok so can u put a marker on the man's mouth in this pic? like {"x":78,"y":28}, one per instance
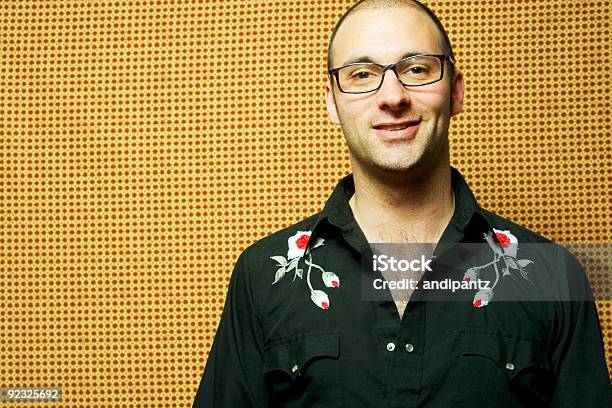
{"x":397,"y":130}
{"x":395,"y":125}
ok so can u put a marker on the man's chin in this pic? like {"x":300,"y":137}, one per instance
{"x":395,"y":163}
{"x":399,"y":166}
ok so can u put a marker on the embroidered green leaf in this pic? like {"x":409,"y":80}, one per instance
{"x":279,"y":275}
{"x":511,"y":262}
{"x":293,"y":263}
{"x":280,"y":259}
{"x":524,"y":275}
{"x":524,"y":262}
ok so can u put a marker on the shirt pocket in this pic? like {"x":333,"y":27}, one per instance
{"x":305,"y":362}
{"x":503,"y":370}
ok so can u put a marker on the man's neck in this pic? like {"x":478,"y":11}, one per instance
{"x":407,"y":207}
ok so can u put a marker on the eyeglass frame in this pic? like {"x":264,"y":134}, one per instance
{"x":442,"y":57}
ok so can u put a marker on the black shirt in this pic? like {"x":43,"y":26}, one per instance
{"x":310,"y":339}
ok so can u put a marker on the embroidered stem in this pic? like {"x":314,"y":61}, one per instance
{"x":496,"y":259}
{"x":496,"y":271}
{"x":308,"y":273}
{"x":315,"y":265}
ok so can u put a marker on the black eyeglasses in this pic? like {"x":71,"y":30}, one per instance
{"x":416,"y":70}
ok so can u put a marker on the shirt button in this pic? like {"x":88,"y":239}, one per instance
{"x":409,"y":348}
{"x":390,"y":346}
{"x":294,"y":368}
{"x":510,"y":366}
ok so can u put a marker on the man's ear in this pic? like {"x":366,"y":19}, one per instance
{"x":332,"y":113}
{"x":457,"y":89}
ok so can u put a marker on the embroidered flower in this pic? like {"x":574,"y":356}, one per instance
{"x":471,"y":274}
{"x":504,"y":242}
{"x":503,"y":239}
{"x":505,"y":247}
{"x":320,"y":299}
{"x":483,"y":297}
{"x":298,"y":242}
{"x":331,"y":280}
{"x":298,"y":247}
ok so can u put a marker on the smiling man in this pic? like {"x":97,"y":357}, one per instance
{"x":299,"y":329}
{"x":395,"y":121}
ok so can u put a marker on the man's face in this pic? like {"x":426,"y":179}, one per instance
{"x":386,"y":36}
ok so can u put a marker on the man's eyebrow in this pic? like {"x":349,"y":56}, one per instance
{"x":368,"y":59}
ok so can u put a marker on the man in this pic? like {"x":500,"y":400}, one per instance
{"x":296,"y":330}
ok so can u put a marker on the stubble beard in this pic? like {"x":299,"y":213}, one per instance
{"x":370,"y":153}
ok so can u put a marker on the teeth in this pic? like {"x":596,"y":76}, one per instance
{"x":399,"y":127}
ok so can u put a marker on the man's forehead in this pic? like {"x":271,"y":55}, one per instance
{"x":384,"y":36}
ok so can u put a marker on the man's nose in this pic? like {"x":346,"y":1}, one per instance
{"x":392,"y":94}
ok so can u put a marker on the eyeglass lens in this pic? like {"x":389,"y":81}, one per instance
{"x":414,"y":71}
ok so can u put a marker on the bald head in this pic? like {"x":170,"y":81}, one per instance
{"x":443,"y":39}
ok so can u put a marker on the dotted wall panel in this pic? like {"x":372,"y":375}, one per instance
{"x":145,"y":144}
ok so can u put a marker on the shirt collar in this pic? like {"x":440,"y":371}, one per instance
{"x":466,"y":224}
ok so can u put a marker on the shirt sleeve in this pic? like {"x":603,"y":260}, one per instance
{"x":233,"y":376}
{"x":579,"y":361}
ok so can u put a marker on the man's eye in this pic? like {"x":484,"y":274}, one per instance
{"x":417,"y":70}
{"x":362,"y":75}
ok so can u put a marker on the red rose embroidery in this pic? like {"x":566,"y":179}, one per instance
{"x":297,"y":249}
{"x":471,"y":275}
{"x":320,"y":299}
{"x":482,"y":298}
{"x":504,"y":241}
{"x":302,"y":241}
{"x":505,"y":247}
{"x":330,"y":279}
{"x":299,"y":242}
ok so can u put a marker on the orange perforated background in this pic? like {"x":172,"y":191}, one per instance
{"x":145,"y":144}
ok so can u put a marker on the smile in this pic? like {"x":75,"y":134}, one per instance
{"x":394,"y":127}
{"x":397,"y":131}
